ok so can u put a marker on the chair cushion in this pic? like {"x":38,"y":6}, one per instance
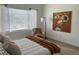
{"x":39,"y":35}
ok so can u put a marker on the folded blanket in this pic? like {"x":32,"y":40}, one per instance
{"x":52,"y":47}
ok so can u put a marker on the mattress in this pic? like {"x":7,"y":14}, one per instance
{"x":29,"y":47}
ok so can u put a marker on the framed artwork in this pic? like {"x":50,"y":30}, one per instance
{"x":62,"y":21}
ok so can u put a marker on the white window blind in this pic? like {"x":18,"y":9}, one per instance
{"x":22,"y":19}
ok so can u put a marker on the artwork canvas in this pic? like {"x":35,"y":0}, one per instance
{"x":62,"y":21}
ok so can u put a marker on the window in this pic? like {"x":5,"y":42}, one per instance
{"x":22,"y":19}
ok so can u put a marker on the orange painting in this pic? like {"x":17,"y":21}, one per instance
{"x":62,"y":21}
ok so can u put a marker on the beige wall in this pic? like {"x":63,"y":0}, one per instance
{"x":0,"y":18}
{"x":70,"y":38}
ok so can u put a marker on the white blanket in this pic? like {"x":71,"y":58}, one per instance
{"x":29,"y":47}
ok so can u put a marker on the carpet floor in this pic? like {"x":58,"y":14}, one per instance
{"x":66,"y":49}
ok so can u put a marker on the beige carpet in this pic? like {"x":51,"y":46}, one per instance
{"x":65,"y":48}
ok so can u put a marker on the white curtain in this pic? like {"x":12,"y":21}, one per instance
{"x":17,"y":19}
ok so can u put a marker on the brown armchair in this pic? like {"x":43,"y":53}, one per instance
{"x":38,"y":32}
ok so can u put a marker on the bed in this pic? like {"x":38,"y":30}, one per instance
{"x":36,"y":46}
{"x":29,"y":45}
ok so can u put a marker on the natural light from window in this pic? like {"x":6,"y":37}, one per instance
{"x":22,"y":19}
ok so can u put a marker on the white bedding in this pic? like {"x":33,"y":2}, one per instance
{"x":29,"y":47}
